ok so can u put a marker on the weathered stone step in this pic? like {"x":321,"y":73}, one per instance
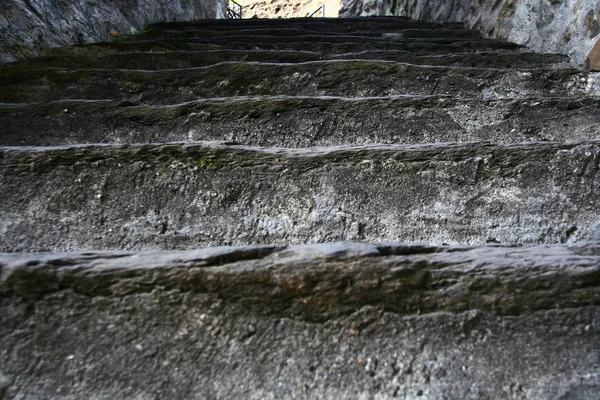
{"x":337,"y":78}
{"x":164,"y":60}
{"x":325,"y":24}
{"x":303,"y":121}
{"x":413,"y":45}
{"x":392,"y":31}
{"x":191,"y":59}
{"x":307,"y":40}
{"x":213,"y":313}
{"x":295,"y":34}
{"x":520,"y":60}
{"x":282,"y":281}
{"x":187,"y":196}
{"x":153,"y":34}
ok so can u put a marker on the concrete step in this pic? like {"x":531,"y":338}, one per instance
{"x":499,"y":59}
{"x":416,"y":46}
{"x":377,"y":24}
{"x":191,"y":59}
{"x":403,"y":279}
{"x":188,"y":196}
{"x":330,"y":321}
{"x":164,"y":60}
{"x":296,"y":34}
{"x":158,"y":33}
{"x":303,"y":121}
{"x":307,"y":40}
{"x":337,"y":78}
{"x":333,"y":322}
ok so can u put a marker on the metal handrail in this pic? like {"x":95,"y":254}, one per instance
{"x":321,"y":8}
{"x":234,"y":11}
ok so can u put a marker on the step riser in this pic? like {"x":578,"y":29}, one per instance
{"x":170,"y":60}
{"x":184,"y":197}
{"x":293,"y":34}
{"x":327,"y":24}
{"x":414,"y":46}
{"x":158,"y":34}
{"x":343,"y":78}
{"x":273,"y":280}
{"x":303,"y":122}
{"x":154,"y":34}
{"x":308,"y":40}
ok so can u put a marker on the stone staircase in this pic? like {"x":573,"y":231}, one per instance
{"x":285,"y":137}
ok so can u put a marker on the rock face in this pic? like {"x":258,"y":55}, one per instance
{"x":480,"y":155}
{"x":288,"y":9}
{"x":592,"y":62}
{"x":324,"y":321}
{"x":570,"y":27}
{"x":26,"y":27}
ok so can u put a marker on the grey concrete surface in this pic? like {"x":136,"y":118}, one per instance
{"x":428,"y":134}
{"x":181,"y":196}
{"x":327,"y":321}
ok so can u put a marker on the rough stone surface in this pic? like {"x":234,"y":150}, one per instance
{"x":348,"y":78}
{"x":181,"y":196}
{"x":288,"y":8}
{"x":570,"y":27}
{"x":393,"y":103}
{"x":592,"y":62}
{"x":329,"y":321}
{"x":293,"y":121}
{"x":420,"y":83}
{"x":28,"y":26}
{"x":92,"y":57}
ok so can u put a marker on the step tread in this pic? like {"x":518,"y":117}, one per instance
{"x":210,"y":194}
{"x":308,"y":40}
{"x":294,"y":121}
{"x":291,"y":33}
{"x":191,"y":59}
{"x":329,"y":23}
{"x":416,"y":46}
{"x":351,"y":78}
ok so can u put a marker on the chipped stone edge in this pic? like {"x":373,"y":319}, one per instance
{"x":319,"y":282}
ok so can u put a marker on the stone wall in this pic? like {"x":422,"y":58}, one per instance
{"x":563,"y":26}
{"x":26,"y":26}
